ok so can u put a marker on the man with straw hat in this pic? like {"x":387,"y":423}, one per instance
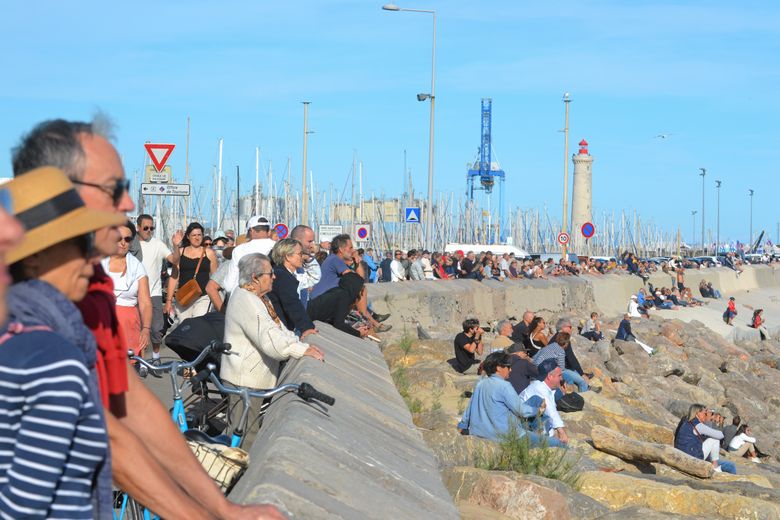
{"x":58,"y":461}
{"x":151,"y":460}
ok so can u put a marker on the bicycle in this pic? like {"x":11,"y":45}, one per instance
{"x":178,"y":413}
{"x":304,"y":390}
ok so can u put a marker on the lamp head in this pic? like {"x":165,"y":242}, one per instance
{"x":566,"y":97}
{"x":717,"y":184}
{"x":391,"y":7}
{"x":750,"y":192}
{"x":423,"y":97}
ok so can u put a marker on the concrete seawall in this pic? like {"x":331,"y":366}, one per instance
{"x":361,"y":458}
{"x":442,"y":305}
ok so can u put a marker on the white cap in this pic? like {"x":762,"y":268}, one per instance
{"x":633,"y":297}
{"x":257,"y":220}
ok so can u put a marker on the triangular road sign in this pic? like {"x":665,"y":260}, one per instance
{"x":159,"y":154}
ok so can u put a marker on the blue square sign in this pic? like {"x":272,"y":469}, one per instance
{"x":412,"y":215}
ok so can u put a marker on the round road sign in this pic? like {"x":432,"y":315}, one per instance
{"x":588,"y":229}
{"x":362,"y":232}
{"x":563,"y":238}
{"x":281,"y":231}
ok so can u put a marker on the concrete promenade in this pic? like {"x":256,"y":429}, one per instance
{"x":361,"y":458}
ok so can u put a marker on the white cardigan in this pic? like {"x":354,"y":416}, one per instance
{"x":258,"y":340}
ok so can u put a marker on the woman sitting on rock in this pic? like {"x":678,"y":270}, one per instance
{"x":538,"y":338}
{"x":744,"y":444}
{"x":758,"y":323}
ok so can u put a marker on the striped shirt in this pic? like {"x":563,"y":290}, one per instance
{"x":551,"y":351}
{"x":52,"y":438}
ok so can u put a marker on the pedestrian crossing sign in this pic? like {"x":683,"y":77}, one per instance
{"x":413,"y":215}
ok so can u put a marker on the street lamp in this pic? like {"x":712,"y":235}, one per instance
{"x":422,"y":97}
{"x":693,"y":214}
{"x":304,"y":197}
{"x":566,"y":101}
{"x":703,"y":174}
{"x":717,"y":235}
{"x":750,"y":242}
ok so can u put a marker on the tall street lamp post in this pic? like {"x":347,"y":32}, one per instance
{"x":703,"y":174}
{"x":564,"y":221}
{"x":717,"y":233}
{"x":422,"y":97}
{"x":750,"y":242}
{"x":304,"y":196}
{"x":693,"y":229}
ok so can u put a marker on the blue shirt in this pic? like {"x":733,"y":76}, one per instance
{"x":494,"y":407}
{"x":372,"y":267}
{"x":331,"y":269}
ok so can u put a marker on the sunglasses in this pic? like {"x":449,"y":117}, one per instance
{"x":207,"y":244}
{"x":115,"y":191}
{"x":148,"y":228}
{"x":126,"y":240}
{"x":6,"y":201}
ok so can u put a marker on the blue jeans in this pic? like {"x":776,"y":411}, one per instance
{"x":572,"y":377}
{"x":728,"y":467}
{"x":538,"y":440}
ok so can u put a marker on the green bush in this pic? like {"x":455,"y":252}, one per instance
{"x":401,"y":381}
{"x":514,"y":453}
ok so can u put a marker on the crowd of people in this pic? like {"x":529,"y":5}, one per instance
{"x":529,"y":381}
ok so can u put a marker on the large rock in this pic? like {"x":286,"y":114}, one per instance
{"x":519,"y":496}
{"x":619,"y":490}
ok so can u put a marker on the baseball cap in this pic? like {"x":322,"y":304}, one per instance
{"x":633,"y":297}
{"x":257,"y":220}
{"x":545,"y":367}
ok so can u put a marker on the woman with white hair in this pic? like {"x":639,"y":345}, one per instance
{"x":254,"y":330}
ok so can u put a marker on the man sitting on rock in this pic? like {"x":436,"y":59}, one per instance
{"x":699,"y":440}
{"x":467,"y":345}
{"x":495,"y":407}
{"x":624,"y":332}
{"x":504,"y":331}
{"x":521,"y":333}
{"x":548,"y":381}
{"x":557,"y":349}
{"x":592,"y":327}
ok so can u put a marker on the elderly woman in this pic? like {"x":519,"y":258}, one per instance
{"x":54,"y":447}
{"x":254,"y":330}
{"x":131,"y":288}
{"x":287,"y":255}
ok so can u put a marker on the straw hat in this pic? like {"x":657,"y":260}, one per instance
{"x":51,"y":211}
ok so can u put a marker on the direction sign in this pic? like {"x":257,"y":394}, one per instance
{"x":563,"y":238}
{"x":281,"y":231}
{"x":153,"y":175}
{"x":159,"y":153}
{"x":165,"y":189}
{"x":327,"y":232}
{"x":588,"y":229}
{"x":363,"y":232}
{"x":412,"y":215}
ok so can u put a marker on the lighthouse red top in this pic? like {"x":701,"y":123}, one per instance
{"x":583,"y":147}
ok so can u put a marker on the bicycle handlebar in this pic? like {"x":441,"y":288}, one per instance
{"x":214,"y":346}
{"x":304,"y":390}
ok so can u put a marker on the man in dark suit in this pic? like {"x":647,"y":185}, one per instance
{"x":287,"y":256}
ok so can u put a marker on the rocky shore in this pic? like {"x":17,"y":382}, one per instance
{"x":639,"y":398}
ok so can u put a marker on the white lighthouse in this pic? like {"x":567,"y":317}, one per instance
{"x":582,"y":196}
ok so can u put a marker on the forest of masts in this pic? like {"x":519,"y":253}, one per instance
{"x":456,"y":219}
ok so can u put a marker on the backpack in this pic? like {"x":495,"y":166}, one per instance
{"x":570,"y":403}
{"x":193,"y":334}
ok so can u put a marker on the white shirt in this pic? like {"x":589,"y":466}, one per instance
{"x":310,"y":276}
{"x":258,"y":245}
{"x":503,"y":265}
{"x":396,"y":271}
{"x":126,"y":284}
{"x":738,"y":440}
{"x":541,"y":389}
{"x":427,"y":268}
{"x":154,"y":252}
{"x":633,"y":308}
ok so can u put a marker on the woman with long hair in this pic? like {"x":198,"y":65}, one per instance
{"x":131,"y":288}
{"x":196,"y":262}
{"x":538,"y":337}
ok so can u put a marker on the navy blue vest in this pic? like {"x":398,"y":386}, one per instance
{"x":687,"y":440}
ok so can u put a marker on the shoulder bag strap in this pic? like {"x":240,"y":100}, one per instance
{"x":197,"y":268}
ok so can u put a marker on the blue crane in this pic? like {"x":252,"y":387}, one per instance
{"x":483,"y":169}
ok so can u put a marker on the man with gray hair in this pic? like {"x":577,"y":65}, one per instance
{"x":309,"y":274}
{"x":149,"y":457}
{"x":503,"y":331}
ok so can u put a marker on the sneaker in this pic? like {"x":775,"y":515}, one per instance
{"x":718,"y":470}
{"x":380,"y":317}
{"x":155,"y":362}
{"x":756,"y":460}
{"x":383,"y":328}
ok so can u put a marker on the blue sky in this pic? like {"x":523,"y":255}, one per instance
{"x":704,"y":72}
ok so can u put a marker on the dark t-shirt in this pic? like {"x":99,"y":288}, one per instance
{"x":521,"y":334}
{"x":523,"y":372}
{"x":463,"y":358}
{"x":385,"y":266}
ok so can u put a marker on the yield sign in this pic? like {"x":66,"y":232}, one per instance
{"x":159,"y":154}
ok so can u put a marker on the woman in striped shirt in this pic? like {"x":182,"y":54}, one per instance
{"x":54,"y":457}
